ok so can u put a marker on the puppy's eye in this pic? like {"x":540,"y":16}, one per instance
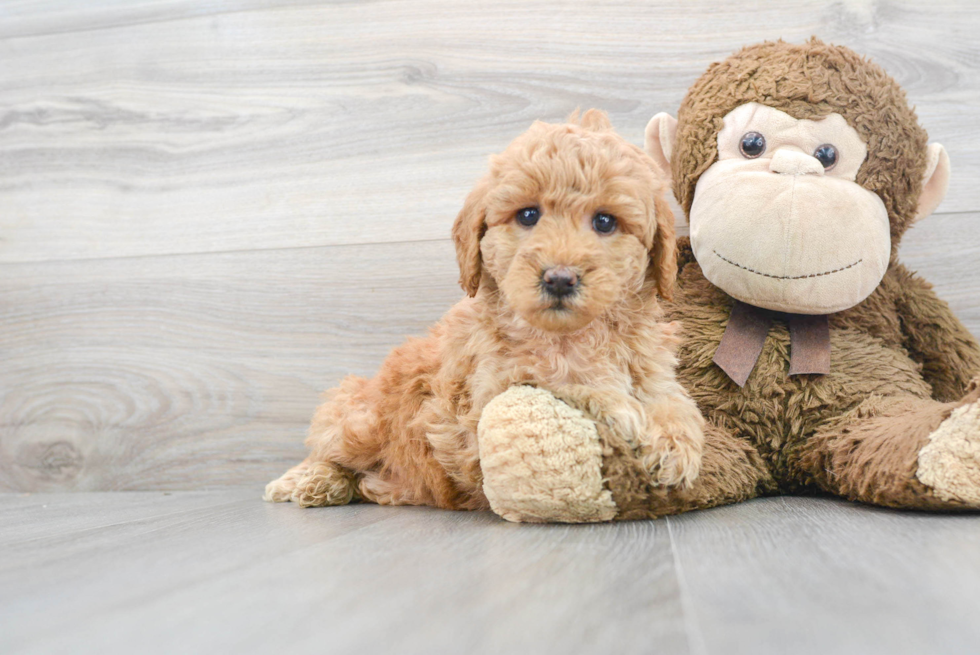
{"x":603,"y":223}
{"x":826,"y":155}
{"x":528,"y":216}
{"x":752,"y":145}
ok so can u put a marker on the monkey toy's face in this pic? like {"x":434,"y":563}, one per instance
{"x":778,"y":220}
{"x":798,"y":215}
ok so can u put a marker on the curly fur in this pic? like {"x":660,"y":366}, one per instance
{"x":408,"y":435}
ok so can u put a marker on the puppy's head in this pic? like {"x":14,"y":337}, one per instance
{"x":569,"y":222}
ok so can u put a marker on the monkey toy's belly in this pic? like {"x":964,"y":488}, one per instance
{"x":777,"y":411}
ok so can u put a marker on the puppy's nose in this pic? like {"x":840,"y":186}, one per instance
{"x":559,"y":281}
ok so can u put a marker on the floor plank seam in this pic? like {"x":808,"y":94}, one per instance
{"x":231,"y":251}
{"x":695,"y":642}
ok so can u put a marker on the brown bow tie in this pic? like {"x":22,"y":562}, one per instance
{"x":748,"y":327}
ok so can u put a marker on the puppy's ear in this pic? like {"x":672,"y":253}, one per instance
{"x":596,"y":120}
{"x":468,"y":229}
{"x":663,"y":254}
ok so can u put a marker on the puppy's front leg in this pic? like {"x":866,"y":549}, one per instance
{"x":674,"y":440}
{"x":621,"y":413}
{"x":666,"y":430}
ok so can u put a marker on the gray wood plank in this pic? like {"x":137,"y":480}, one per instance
{"x":36,"y":518}
{"x":246,"y":576}
{"x":163,"y":373}
{"x":222,"y":571}
{"x":805,"y":576}
{"x":138,"y":128}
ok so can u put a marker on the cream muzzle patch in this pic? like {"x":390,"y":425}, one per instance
{"x":775,"y":226}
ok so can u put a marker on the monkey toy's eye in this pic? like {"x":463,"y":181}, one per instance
{"x":826,"y":155}
{"x":603,"y":223}
{"x":752,"y":145}
{"x":528,"y":216}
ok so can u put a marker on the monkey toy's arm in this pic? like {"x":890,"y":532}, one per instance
{"x":935,"y":338}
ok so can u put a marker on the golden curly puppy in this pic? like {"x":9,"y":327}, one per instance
{"x":562,"y":248}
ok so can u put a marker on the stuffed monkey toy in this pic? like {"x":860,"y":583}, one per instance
{"x":821,"y":363}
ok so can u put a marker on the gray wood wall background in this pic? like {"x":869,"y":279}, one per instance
{"x":211,"y":211}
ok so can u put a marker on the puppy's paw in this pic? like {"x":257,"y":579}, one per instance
{"x":673,"y":461}
{"x":278,"y":491}
{"x":622,"y":414}
{"x":281,"y":489}
{"x":323,"y":484}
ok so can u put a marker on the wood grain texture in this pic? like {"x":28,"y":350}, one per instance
{"x":174,"y":127}
{"x":210,"y":212}
{"x":194,"y":371}
{"x":248,"y":577}
{"x":219,"y":572}
{"x":815,"y":576}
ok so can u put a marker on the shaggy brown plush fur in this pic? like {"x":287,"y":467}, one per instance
{"x":901,"y":361}
{"x":731,"y":471}
{"x":408,"y":435}
{"x":809,"y":429}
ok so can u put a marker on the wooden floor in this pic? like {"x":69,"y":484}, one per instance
{"x":220,"y":572}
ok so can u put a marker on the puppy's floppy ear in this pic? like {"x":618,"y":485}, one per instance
{"x":663,"y":254}
{"x":470,"y":225}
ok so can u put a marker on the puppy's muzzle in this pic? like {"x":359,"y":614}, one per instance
{"x":559,"y":281}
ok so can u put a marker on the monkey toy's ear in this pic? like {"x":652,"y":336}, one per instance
{"x":659,"y":140}
{"x":935,"y":181}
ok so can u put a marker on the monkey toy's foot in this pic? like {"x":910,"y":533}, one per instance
{"x":542,"y":460}
{"x":950,"y":462}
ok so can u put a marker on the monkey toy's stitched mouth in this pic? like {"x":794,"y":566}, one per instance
{"x":785,"y":277}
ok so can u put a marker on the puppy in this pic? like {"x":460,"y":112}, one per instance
{"x":562,"y":250}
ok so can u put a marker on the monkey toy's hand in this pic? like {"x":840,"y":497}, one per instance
{"x":547,"y":457}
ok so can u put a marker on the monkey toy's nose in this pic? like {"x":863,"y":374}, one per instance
{"x":791,"y":162}
{"x":559,"y":281}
